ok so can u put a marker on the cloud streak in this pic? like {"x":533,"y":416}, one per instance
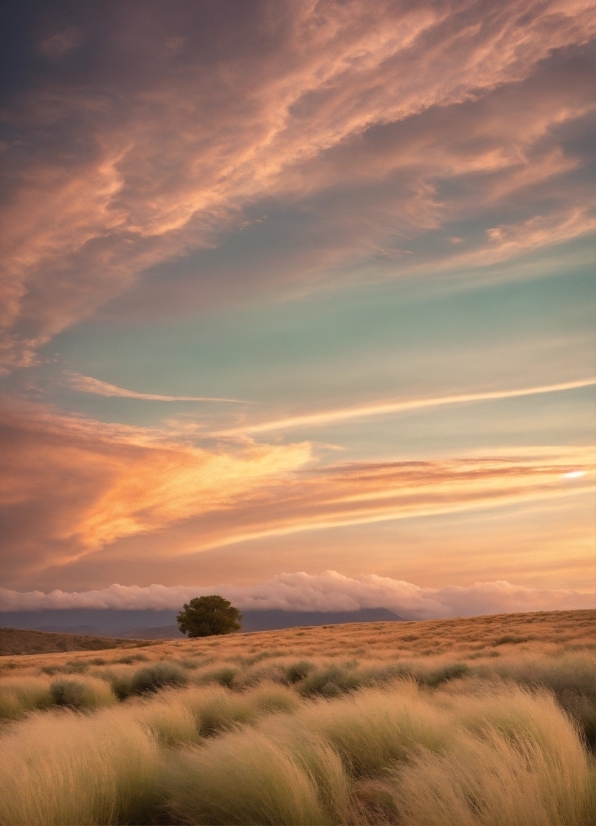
{"x":328,"y":591}
{"x":87,"y":384}
{"x":75,"y":488}
{"x":345,"y":414}
{"x":85,"y":484}
{"x":367,"y":493}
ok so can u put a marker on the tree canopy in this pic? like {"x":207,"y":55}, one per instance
{"x":206,"y":616}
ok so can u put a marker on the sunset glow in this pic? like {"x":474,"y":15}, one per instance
{"x":299,"y":290}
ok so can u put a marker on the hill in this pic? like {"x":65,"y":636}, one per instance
{"x":274,"y":620}
{"x":470,"y":721}
{"x":467,"y":638}
{"x":19,"y":641}
{"x":161,"y":624}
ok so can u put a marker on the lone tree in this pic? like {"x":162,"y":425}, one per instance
{"x":205,"y":616}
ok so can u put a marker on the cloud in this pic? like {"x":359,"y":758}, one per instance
{"x":328,"y":591}
{"x":57,"y":45}
{"x":508,"y":240}
{"x":76,"y":488}
{"x":174,"y":127}
{"x":345,"y":414}
{"x":87,"y":384}
{"x":364,"y":493}
{"x":70,"y":486}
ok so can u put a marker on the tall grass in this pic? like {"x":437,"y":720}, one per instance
{"x":283,"y":736}
{"x":241,"y":778}
{"x":218,"y":709}
{"x":511,"y":763}
{"x":571,"y":678}
{"x":18,"y":695}
{"x":82,"y":694}
{"x":177,"y":717}
{"x":269,"y":698}
{"x":65,"y":768}
{"x":22,"y":695}
{"x":171,"y":718}
{"x":157,"y":676}
{"x":372,"y":729}
{"x":488,"y":754}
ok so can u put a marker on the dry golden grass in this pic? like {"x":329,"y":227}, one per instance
{"x":463,"y":639}
{"x":487,"y":721}
{"x":20,"y":641}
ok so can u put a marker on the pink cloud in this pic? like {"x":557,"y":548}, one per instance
{"x":168,"y":153}
{"x":59,"y":44}
{"x":328,"y":591}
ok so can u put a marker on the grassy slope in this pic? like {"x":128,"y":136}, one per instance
{"x":19,"y":641}
{"x":489,"y":721}
{"x":468,"y":638}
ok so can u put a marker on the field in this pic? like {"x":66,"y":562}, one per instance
{"x":489,"y":720}
{"x":19,"y":641}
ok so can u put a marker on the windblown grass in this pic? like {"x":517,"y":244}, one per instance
{"x":512,"y":763}
{"x":243,"y":779}
{"x":82,"y":694}
{"x":22,"y":695}
{"x":18,"y":695}
{"x":64,"y":768}
{"x":375,"y":732}
{"x":373,"y":728}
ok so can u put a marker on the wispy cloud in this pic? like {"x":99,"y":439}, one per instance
{"x":508,"y":240}
{"x":88,"y":487}
{"x":144,"y":176}
{"x":328,"y":591}
{"x":367,"y":493}
{"x":85,"y":484}
{"x":383,"y":408}
{"x":87,"y":384}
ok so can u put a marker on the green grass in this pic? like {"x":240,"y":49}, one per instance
{"x":20,"y":696}
{"x":157,"y":676}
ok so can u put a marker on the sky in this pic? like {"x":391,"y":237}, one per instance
{"x":298,"y":298}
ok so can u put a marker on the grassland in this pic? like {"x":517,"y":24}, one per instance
{"x":490,"y":720}
{"x":21,"y":641}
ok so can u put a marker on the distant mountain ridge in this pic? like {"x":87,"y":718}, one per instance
{"x":162,"y":624}
{"x":273,"y":618}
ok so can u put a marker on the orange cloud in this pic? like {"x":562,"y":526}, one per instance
{"x":71,"y":486}
{"x":75,"y":487}
{"x":366,"y":493}
{"x":508,"y":240}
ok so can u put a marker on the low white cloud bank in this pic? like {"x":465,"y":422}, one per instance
{"x":328,"y":591}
